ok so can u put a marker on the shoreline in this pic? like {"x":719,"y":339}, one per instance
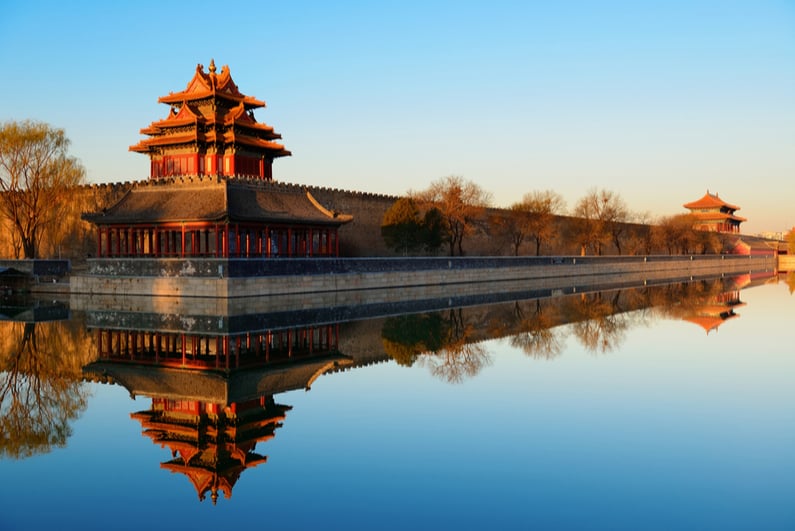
{"x":245,"y":279}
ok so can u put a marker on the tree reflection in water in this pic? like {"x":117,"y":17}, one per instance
{"x":599,"y":326}
{"x":449,"y":343}
{"x":538,"y":338}
{"x":41,"y":389}
{"x":443,"y":342}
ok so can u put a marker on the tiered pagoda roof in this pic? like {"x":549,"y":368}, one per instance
{"x":210,"y":117}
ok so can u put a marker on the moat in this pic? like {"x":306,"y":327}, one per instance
{"x":653,"y":406}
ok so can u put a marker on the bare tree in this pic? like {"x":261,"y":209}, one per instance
{"x":534,"y":218}
{"x":37,"y":180}
{"x":676,"y":233}
{"x":601,"y":218}
{"x":461,"y":204}
{"x":641,"y":237}
{"x":587,"y":227}
{"x":615,"y":215}
{"x":507,"y":227}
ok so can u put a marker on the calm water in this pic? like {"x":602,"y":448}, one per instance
{"x":667,"y":407}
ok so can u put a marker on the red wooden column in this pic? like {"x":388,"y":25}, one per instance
{"x":326,"y":242}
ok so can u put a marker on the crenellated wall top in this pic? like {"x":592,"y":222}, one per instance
{"x":254,"y":181}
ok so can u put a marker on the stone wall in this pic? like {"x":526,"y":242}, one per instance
{"x":362,"y":236}
{"x":430,"y":277}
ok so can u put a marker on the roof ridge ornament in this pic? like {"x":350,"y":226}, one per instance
{"x":212,"y":66}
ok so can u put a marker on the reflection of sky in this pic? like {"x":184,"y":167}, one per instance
{"x":674,"y":429}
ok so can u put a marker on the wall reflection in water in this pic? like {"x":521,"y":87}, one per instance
{"x":212,"y":379}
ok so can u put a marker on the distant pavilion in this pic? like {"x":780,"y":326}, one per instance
{"x":210,"y":191}
{"x":714,"y":214}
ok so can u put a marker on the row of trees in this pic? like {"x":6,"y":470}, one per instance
{"x":452,"y":209}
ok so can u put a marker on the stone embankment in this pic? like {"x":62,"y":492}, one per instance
{"x":246,"y":278}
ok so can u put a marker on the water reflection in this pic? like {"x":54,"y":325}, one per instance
{"x":212,"y":379}
{"x":41,"y":384}
{"x":447,"y":342}
{"x":448,"y":336}
{"x":212,"y":396}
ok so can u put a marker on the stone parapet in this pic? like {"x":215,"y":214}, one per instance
{"x":242,"y":278}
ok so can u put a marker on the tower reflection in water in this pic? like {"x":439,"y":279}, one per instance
{"x":212,"y":393}
{"x":212,"y":396}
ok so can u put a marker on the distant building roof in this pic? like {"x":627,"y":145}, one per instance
{"x":711,"y":201}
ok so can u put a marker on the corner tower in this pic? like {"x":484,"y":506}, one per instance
{"x":211,"y":130}
{"x":714,"y":214}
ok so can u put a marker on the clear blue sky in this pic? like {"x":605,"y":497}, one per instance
{"x":657,"y":101}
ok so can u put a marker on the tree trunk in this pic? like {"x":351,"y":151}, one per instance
{"x":29,"y":248}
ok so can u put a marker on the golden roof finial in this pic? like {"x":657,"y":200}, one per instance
{"x":212,"y":66}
